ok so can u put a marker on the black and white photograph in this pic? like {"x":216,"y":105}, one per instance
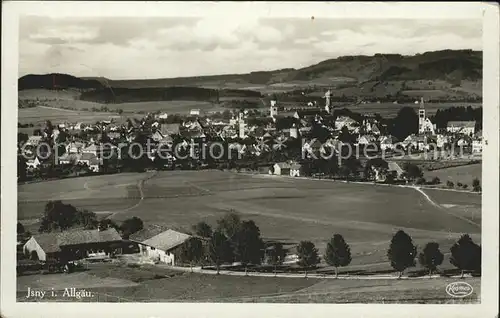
{"x":242,"y":155}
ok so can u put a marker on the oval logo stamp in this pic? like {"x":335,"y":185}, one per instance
{"x":459,"y":289}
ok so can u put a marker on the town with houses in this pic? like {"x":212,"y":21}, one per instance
{"x":301,"y":142}
{"x":255,"y":139}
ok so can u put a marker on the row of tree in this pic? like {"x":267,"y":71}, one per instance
{"x":60,"y":216}
{"x":239,"y":241}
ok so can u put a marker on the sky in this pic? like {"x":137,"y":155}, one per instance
{"x":147,"y":47}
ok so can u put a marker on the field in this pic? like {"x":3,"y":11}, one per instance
{"x":286,"y":209}
{"x":38,"y":115}
{"x":463,"y":174}
{"x":66,"y":98}
{"x":289,"y":210}
{"x":111,"y":284}
{"x":390,"y":110}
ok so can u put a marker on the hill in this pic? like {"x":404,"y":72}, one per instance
{"x":440,"y":75}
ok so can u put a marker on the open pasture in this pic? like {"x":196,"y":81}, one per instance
{"x":391,"y":110}
{"x":285,"y":209}
{"x":112,"y":283}
{"x":463,"y":174}
{"x":40,"y":114}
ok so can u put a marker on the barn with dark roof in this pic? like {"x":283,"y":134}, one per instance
{"x":73,"y":244}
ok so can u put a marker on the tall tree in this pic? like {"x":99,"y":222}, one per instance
{"x":413,"y":171}
{"x":20,"y":228}
{"x":476,"y":185}
{"x":229,"y":224}
{"x":220,"y":249}
{"x":405,"y":123}
{"x":431,"y":257}
{"x":401,"y":252}
{"x":308,"y":255}
{"x":338,"y":253}
{"x":58,"y":215}
{"x":466,"y":255}
{"x":131,"y":226}
{"x":248,"y":246}
{"x":276,"y":255}
{"x":192,"y":251}
{"x":203,"y":229}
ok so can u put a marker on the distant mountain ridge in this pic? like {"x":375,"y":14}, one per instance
{"x":443,"y":65}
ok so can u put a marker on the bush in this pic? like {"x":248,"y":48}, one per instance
{"x":435,"y":180}
{"x":465,"y":186}
{"x":420,"y":181}
{"x":459,"y":184}
{"x":476,"y":185}
{"x":450,"y":184}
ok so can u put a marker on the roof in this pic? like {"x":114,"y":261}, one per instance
{"x":92,"y":148}
{"x":88,"y":156}
{"x":308,"y":112}
{"x":468,"y":124}
{"x":394,"y":166}
{"x":147,"y":233}
{"x":164,"y":240}
{"x":170,"y":129}
{"x":295,"y":166}
{"x":88,"y":236}
{"x":51,"y":242}
{"x":34,"y":139}
{"x":48,"y":242}
{"x":345,"y":119}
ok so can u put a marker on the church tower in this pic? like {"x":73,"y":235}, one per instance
{"x":421,"y":117}
{"x":273,"y":110}
{"x":328,"y":94}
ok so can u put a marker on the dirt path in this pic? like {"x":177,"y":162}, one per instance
{"x":140,"y":185}
{"x":61,"y":109}
{"x":426,"y":196}
{"x":199,"y":270}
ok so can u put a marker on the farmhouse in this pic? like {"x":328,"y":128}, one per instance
{"x":462,"y":127}
{"x":73,"y":245}
{"x":160,"y":244}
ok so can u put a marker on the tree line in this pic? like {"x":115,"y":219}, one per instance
{"x":58,"y":216}
{"x":235,"y":240}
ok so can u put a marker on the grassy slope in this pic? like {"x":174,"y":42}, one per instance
{"x":463,"y":174}
{"x":111,"y":283}
{"x":285,"y":209}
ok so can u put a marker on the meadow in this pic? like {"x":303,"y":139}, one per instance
{"x":285,"y":209}
{"x":390,"y":110}
{"x":38,"y":115}
{"x":464,"y":174}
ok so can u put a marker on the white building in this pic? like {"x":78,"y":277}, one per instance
{"x":273,"y":110}
{"x":194,"y":112}
{"x":328,"y":106}
{"x":461,"y":127}
{"x":477,"y":145}
{"x":158,"y":244}
{"x":344,"y":121}
{"x":424,"y":124}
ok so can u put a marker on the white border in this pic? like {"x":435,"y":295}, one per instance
{"x":438,"y":10}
